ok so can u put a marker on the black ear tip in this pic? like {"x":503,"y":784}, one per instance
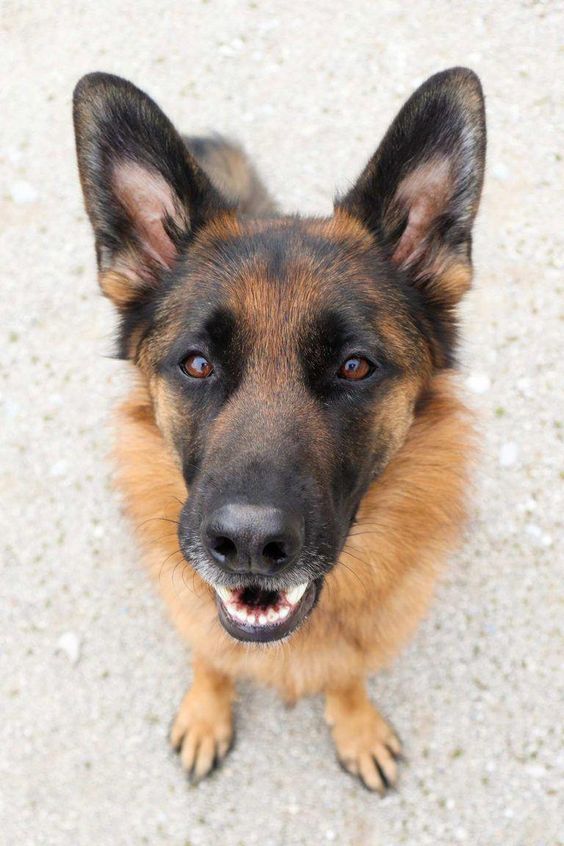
{"x":467,"y":79}
{"x":459,"y":73}
{"x":92,"y":85}
{"x":461,"y":81}
{"x":88,"y":83}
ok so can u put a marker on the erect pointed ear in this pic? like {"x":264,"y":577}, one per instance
{"x":144,"y":192}
{"x":420,"y":191}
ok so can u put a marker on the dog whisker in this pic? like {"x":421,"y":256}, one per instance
{"x":152,"y":519}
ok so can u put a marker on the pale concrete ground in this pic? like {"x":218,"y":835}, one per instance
{"x":309,"y":87}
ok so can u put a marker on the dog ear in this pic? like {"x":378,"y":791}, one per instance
{"x":420,"y":191}
{"x":144,"y":192}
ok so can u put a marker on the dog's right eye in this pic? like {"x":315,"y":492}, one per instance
{"x":196,"y":366}
{"x":355,"y":368}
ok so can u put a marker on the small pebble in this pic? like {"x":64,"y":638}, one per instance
{"x":508,"y":454}
{"x":23,"y":192}
{"x":69,"y":644}
{"x":500,"y":171}
{"x":539,"y":537}
{"x":478,"y":383}
{"x":536,"y":771}
{"x":59,"y":468}
{"x":525,"y":387}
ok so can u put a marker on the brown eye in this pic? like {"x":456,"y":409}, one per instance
{"x":197,"y":366}
{"x":355,"y":368}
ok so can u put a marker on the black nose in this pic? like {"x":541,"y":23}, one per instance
{"x":253,"y":538}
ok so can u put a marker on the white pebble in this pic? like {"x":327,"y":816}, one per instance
{"x":528,"y":505}
{"x":537,"y":535}
{"x":14,"y":155}
{"x":500,"y":171}
{"x":59,"y":468}
{"x":23,"y":192}
{"x":11,"y":408}
{"x":508,"y":454}
{"x":69,"y":644}
{"x":536,"y":771}
{"x":478,"y":383}
{"x":525,"y":387}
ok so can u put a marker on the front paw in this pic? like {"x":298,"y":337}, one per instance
{"x":366,"y":745}
{"x":202,"y":732}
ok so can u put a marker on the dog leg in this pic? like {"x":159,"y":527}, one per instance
{"x":203,"y":729}
{"x":366,"y":745}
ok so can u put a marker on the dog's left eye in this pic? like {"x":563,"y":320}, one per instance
{"x":355,"y":368}
{"x":197,"y":366}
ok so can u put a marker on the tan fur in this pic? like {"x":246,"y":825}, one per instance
{"x":372,"y":600}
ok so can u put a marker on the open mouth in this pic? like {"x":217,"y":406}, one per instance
{"x":260,"y":615}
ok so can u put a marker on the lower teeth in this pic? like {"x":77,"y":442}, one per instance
{"x":260,"y":617}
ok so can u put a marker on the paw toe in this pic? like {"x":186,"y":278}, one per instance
{"x":387,"y":766}
{"x":393,"y":744}
{"x":176,"y":735}
{"x":370,"y":774}
{"x":204,"y":759}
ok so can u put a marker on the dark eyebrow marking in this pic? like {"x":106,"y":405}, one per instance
{"x":220,"y":326}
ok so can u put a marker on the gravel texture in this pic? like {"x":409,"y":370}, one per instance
{"x":91,"y":670}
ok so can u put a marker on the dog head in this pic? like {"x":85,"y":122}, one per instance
{"x":285,"y":357}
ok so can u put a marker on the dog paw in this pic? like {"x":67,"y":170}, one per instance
{"x":366,"y":745}
{"x":202,"y":733}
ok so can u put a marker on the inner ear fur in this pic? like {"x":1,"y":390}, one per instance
{"x":145,"y":194}
{"x":419,"y":193}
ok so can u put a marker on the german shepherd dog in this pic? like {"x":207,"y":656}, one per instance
{"x":293,"y":455}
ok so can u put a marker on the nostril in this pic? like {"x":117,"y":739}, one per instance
{"x":223,"y":548}
{"x":275,"y":552}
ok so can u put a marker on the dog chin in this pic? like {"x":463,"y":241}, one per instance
{"x":258,"y":615}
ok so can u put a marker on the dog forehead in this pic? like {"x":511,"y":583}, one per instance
{"x":280,"y":283}
{"x":282,"y":269}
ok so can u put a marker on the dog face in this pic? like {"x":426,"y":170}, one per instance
{"x":285,"y":357}
{"x":284,"y":377}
